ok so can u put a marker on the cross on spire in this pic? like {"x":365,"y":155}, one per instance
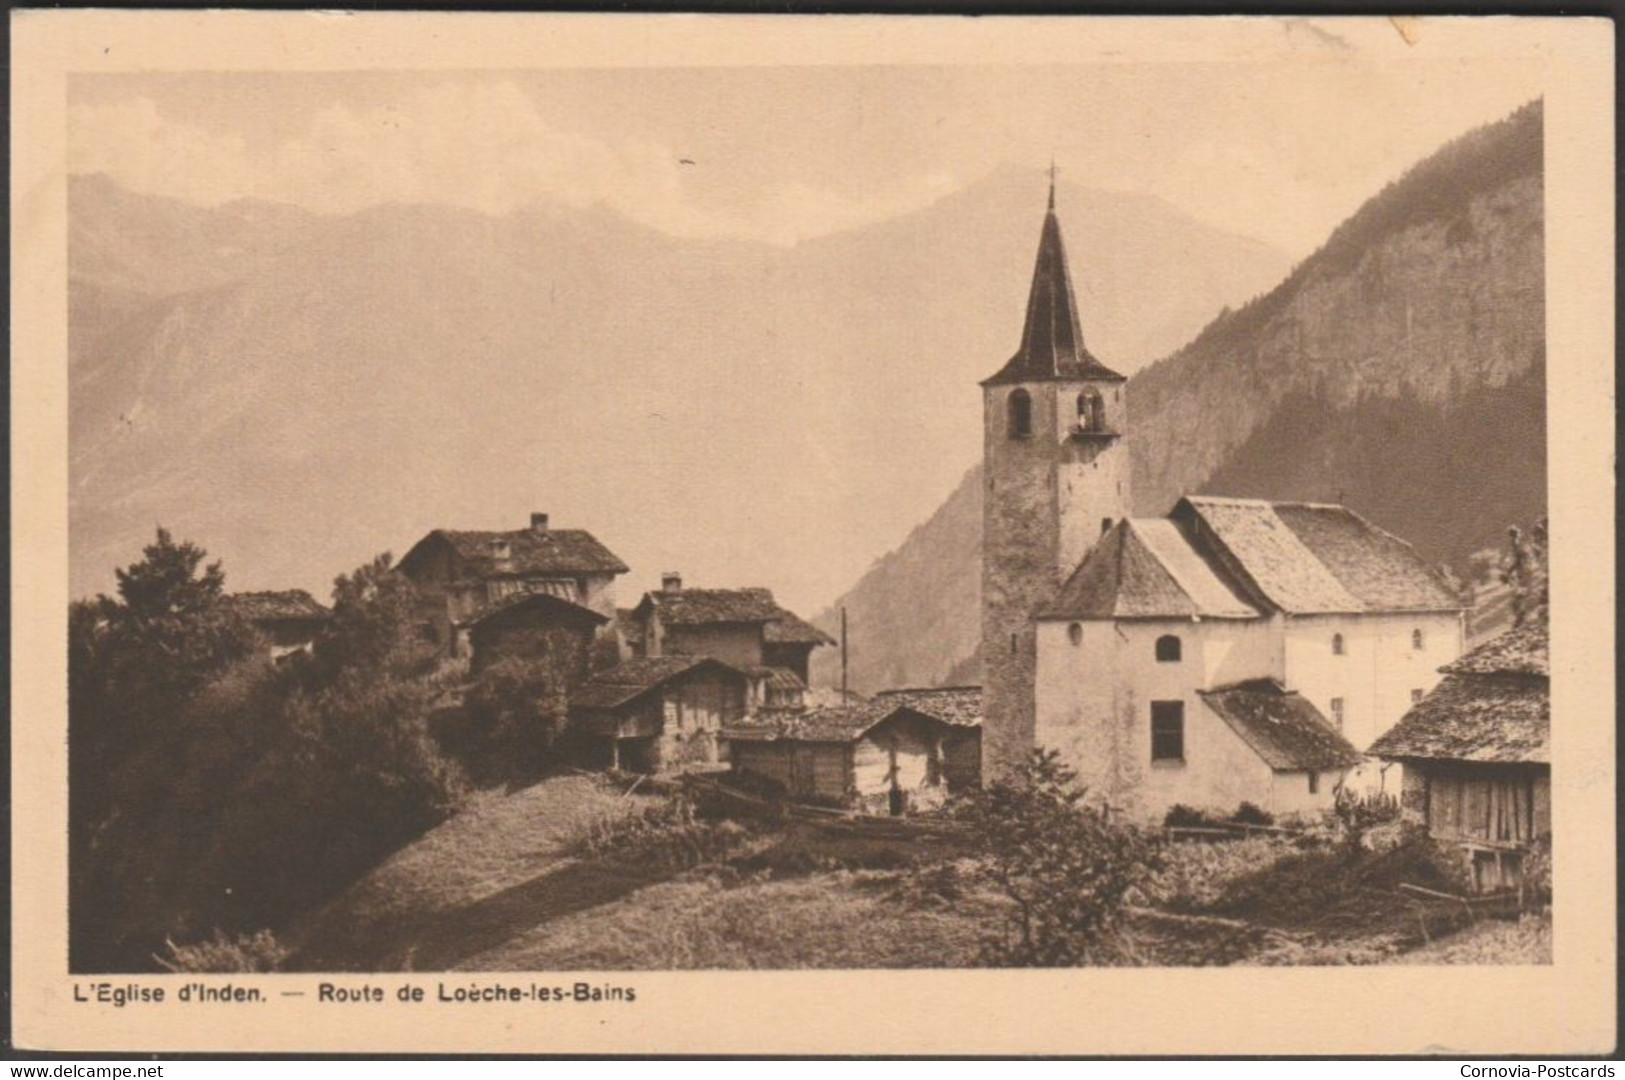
{"x":1052,"y":182}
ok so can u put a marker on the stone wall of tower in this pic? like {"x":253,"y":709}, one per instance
{"x":1091,"y":472}
{"x":1045,"y":500}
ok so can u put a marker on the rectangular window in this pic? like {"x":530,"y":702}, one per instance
{"x":1337,"y":713}
{"x":1167,"y":731}
{"x":1314,"y":783}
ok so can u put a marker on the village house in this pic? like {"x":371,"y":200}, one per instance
{"x":535,"y":627}
{"x":464,"y":572}
{"x":883,"y":756}
{"x":660,"y":713}
{"x":288,"y":619}
{"x":1477,"y":755}
{"x":1233,"y":650}
{"x":743,"y":627}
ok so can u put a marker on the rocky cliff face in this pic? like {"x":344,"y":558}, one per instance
{"x":1399,"y":369}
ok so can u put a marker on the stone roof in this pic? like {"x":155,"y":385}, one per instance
{"x":791,"y":629}
{"x":636,"y":677}
{"x":839,"y":724}
{"x":708,"y":607}
{"x":1493,"y":705}
{"x":1282,"y":726}
{"x":960,"y":705}
{"x":540,"y":603}
{"x":276,"y":606}
{"x":702,"y":607}
{"x":1487,"y":718}
{"x":1521,"y":651}
{"x":529,"y":551}
{"x":1051,"y":339}
{"x":1146,"y":568}
{"x":1312,"y":558}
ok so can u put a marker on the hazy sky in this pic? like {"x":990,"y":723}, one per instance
{"x":1278,"y":152}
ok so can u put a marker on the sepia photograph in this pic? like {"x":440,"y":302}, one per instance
{"x":676,"y":517}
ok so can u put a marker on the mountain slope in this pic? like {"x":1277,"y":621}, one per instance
{"x":1399,"y":368}
{"x":298,"y":392}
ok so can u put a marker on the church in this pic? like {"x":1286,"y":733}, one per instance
{"x":1230,"y":651}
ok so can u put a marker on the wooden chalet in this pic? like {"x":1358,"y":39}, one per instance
{"x":535,"y":628}
{"x":1477,"y":755}
{"x":661,"y":713}
{"x":884,"y":756}
{"x":462,"y":572}
{"x":743,"y":627}
{"x":288,"y":619}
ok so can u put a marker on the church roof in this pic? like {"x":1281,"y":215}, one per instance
{"x":1282,"y":726}
{"x":1145,"y":568}
{"x":1312,"y":558}
{"x":1051,"y":341}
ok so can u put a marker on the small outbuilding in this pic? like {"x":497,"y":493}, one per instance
{"x":1477,"y":755}
{"x":660,"y":713}
{"x":289,"y":619}
{"x":881,"y":756}
{"x":535,"y":628}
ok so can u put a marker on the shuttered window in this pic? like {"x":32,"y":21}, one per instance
{"x":1167,"y":731}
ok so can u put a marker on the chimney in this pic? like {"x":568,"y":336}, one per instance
{"x":538,"y":522}
{"x":671,"y":581}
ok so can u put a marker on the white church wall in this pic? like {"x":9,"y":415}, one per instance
{"x":1375,"y":676}
{"x":1094,"y":701}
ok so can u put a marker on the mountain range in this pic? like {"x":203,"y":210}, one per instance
{"x":1400,"y":369}
{"x":298,"y":391}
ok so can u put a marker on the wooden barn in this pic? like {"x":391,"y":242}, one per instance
{"x":535,"y":628}
{"x":660,"y":713}
{"x":1477,"y":755}
{"x":288,"y":619}
{"x":881,"y":757}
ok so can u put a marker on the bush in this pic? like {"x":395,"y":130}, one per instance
{"x":670,"y":837}
{"x":1180,"y":816}
{"x":1064,"y":866}
{"x":1537,"y":873}
{"x":1248,"y":814}
{"x":220,"y":953}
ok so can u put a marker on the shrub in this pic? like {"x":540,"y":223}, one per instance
{"x":1248,"y":814}
{"x":220,"y":953}
{"x":1180,"y":816}
{"x":670,"y":837}
{"x":1537,"y":872}
{"x":1066,"y":869}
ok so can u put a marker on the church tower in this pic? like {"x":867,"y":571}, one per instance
{"x":1055,"y":475}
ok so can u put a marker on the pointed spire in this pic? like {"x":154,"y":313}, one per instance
{"x":1051,"y":342}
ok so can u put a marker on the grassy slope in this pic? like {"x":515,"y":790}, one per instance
{"x":496,"y":889}
{"x":469,"y":884}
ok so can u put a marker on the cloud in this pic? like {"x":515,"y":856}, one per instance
{"x":483,"y":145}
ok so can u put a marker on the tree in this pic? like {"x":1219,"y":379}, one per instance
{"x":214,"y":791}
{"x":1063,"y":865}
{"x":1524,"y":570}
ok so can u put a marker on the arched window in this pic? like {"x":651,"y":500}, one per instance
{"x":1168,"y":649}
{"x":1337,"y":644}
{"x":1416,"y":638}
{"x":1021,"y":414}
{"x":1074,"y":633}
{"x":1091,"y":411}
